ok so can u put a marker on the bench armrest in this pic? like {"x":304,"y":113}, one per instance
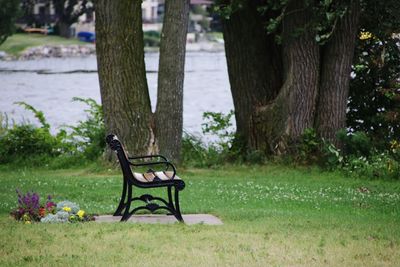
{"x":149,"y":156}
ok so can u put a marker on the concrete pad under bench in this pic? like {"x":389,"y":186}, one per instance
{"x":207,"y":219}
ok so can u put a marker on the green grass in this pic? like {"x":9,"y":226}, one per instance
{"x":273,"y":216}
{"x":17,"y":43}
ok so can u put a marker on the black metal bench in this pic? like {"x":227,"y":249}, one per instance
{"x":148,"y":179}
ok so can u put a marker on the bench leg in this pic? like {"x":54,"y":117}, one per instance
{"x":121,"y":205}
{"x":127,"y":215}
{"x":177,"y":214}
{"x":170,"y":202}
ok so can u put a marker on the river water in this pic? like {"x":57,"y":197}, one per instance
{"x":50,"y":84}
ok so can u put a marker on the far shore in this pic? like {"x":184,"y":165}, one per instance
{"x":65,"y":51}
{"x":35,"y":46}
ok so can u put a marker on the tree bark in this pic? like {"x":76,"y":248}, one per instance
{"x":169,"y":119}
{"x":335,"y":75}
{"x":254,"y":68}
{"x":122,"y":76}
{"x":64,"y":29}
{"x":281,"y":123}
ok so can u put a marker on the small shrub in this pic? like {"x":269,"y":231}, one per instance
{"x":356,"y":143}
{"x":88,"y":135}
{"x":309,"y":148}
{"x":26,"y":141}
{"x":380,"y":165}
{"x":37,"y":146}
{"x":218,"y":127}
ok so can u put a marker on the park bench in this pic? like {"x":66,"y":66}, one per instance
{"x":151,"y":178}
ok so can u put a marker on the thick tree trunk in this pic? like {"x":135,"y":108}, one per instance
{"x":335,"y":75}
{"x":64,"y":30}
{"x":254,"y":68}
{"x":281,"y":123}
{"x":169,"y":121}
{"x":122,"y":76}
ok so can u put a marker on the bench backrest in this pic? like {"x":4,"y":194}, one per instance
{"x":115,"y":145}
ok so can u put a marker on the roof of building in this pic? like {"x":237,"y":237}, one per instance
{"x":201,"y":2}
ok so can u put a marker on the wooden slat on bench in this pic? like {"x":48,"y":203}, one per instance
{"x":149,"y":177}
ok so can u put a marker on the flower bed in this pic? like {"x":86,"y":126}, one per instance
{"x":31,"y":210}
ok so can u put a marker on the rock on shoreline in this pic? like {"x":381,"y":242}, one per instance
{"x":64,"y":51}
{"x":48,"y":51}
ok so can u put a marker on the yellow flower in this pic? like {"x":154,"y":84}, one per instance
{"x":394,"y":144}
{"x":28,"y":222}
{"x":81,"y":213}
{"x":365,"y":35}
{"x":67,"y":209}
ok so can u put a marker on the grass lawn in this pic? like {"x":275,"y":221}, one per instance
{"x":17,"y":43}
{"x":273,"y":216}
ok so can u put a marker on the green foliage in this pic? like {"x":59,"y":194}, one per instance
{"x":151,"y":38}
{"x":226,"y":8}
{"x":37,"y":113}
{"x":9,"y":11}
{"x":378,"y":165}
{"x":381,"y":18}
{"x":25,"y":141}
{"x":88,"y":135}
{"x":4,"y":125}
{"x":197,"y":154}
{"x":34,"y":145}
{"x":218,"y":127}
{"x":315,"y":150}
{"x":359,"y":157}
{"x":364,"y":159}
{"x":357,"y":143}
{"x":374,"y":103}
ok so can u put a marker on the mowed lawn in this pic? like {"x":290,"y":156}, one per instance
{"x":273,"y":216}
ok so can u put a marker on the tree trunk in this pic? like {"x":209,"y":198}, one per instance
{"x":122,"y":75}
{"x":281,"y":123}
{"x":64,"y":29}
{"x":254,"y":68}
{"x":335,"y":75}
{"x":169,"y":120}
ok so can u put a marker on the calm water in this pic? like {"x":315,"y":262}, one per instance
{"x":40,"y":84}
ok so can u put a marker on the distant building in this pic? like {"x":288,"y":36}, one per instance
{"x":43,"y":15}
{"x":150,"y":12}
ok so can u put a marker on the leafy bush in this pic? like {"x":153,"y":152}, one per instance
{"x":218,"y":128}
{"x":24,"y":141}
{"x":88,"y":135}
{"x":356,"y":143}
{"x":380,"y":165}
{"x":374,"y":97}
{"x":315,"y":150}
